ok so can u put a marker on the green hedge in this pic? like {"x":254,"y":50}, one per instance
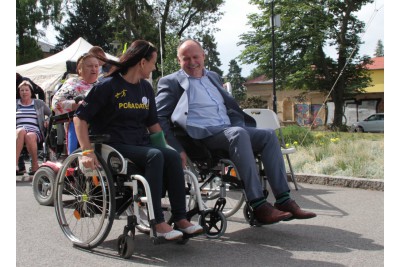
{"x":302,"y":135}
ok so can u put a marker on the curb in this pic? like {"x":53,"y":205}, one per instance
{"x":351,"y":182}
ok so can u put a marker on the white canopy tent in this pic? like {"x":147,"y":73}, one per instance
{"x":48,"y":72}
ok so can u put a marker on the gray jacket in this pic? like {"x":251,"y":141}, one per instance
{"x":172,"y":106}
{"x":41,"y":110}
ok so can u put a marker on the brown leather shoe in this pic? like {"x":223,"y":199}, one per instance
{"x":267,"y":214}
{"x":291,"y":206}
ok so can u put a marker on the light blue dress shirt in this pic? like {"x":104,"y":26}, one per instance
{"x":206,"y":105}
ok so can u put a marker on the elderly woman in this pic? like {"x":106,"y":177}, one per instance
{"x":66,"y":98}
{"x":30,"y":123}
{"x":123,"y":106}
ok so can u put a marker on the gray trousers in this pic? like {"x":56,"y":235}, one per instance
{"x":242,"y":143}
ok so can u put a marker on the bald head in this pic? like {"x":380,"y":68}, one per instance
{"x":191,"y":57}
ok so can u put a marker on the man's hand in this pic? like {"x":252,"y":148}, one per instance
{"x":184,"y":159}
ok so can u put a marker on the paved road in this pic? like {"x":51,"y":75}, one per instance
{"x":348,"y":231}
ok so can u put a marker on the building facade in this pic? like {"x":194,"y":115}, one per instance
{"x":315,"y":108}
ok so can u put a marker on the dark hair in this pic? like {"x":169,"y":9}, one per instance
{"x":138,"y":50}
{"x":30,"y":87}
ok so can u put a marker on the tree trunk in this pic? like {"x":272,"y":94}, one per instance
{"x":163,"y":26}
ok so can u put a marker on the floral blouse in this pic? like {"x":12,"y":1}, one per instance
{"x":64,"y":97}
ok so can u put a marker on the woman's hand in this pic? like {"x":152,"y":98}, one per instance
{"x":90,"y":161}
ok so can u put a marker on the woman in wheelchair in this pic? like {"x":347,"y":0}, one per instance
{"x":122,"y":105}
{"x":73,"y":90}
{"x":30,"y":120}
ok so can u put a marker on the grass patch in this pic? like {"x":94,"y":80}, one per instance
{"x":340,"y":154}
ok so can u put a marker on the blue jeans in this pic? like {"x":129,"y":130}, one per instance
{"x":72,"y":138}
{"x":163,"y":166}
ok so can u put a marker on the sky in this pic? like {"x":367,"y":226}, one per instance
{"x":234,"y":21}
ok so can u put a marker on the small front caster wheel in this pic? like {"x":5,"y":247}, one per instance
{"x":215,"y":223}
{"x":125,"y":246}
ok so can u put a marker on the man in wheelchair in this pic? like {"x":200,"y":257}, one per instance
{"x":122,"y":106}
{"x":194,"y":99}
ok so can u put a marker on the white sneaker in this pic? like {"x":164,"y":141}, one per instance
{"x":171,"y":235}
{"x":194,"y":229}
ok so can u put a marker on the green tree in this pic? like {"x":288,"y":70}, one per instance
{"x":256,"y":72}
{"x":29,"y":55}
{"x":170,"y":63}
{"x":161,"y":22}
{"x":235,"y":78}
{"x":301,"y":62}
{"x":185,"y":18}
{"x":132,"y":20}
{"x":379,"y":49}
{"x":29,"y":14}
{"x":212,"y":61}
{"x":88,"y":19}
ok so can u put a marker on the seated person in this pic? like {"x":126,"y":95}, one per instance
{"x":122,"y":105}
{"x":37,"y":90}
{"x":30,"y":121}
{"x":64,"y":100}
{"x":195,"y":99}
{"x":99,"y":52}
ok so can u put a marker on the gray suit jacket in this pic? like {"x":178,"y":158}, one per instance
{"x":172,"y":106}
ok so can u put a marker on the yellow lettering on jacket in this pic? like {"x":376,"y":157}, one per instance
{"x":129,"y":105}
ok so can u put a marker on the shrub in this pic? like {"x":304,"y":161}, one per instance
{"x":301,"y":135}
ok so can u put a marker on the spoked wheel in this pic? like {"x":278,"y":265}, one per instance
{"x":210,"y":191}
{"x":126,"y":246}
{"x":215,"y":222}
{"x":43,"y":185}
{"x":211,"y":188}
{"x":84,"y":202}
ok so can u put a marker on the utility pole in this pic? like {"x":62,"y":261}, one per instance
{"x":274,"y":100}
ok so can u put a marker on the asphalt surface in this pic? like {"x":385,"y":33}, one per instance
{"x":348,"y":231}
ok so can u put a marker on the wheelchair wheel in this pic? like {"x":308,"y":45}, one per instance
{"x":43,"y":185}
{"x":84,"y":202}
{"x":126,"y":246}
{"x":211,"y":189}
{"x":215,"y":222}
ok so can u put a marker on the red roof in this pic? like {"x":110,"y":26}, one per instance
{"x":259,"y":80}
{"x":377,"y":63}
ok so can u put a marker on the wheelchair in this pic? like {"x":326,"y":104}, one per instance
{"x":44,"y":178}
{"x":218,"y":176}
{"x":87,"y":201}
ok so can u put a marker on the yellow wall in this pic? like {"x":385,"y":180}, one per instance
{"x":288,"y":98}
{"x":377,"y":77}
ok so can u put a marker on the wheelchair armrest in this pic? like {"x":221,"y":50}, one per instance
{"x":178,"y":131}
{"x":101,"y":138}
{"x":57,"y":119}
{"x":289,"y":150}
